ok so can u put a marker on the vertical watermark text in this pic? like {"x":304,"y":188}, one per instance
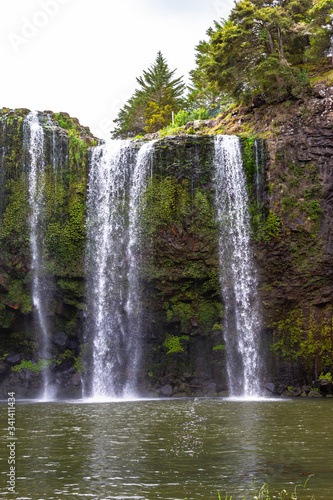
{"x":11,"y":444}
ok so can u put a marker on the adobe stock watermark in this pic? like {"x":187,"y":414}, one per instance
{"x":11,"y":445}
{"x":32,"y":25}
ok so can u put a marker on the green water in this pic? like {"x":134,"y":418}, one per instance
{"x":169,"y":449}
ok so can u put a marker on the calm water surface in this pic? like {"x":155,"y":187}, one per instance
{"x":169,"y":449}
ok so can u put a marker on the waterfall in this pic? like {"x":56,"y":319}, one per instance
{"x":34,"y":136}
{"x":117,"y":176}
{"x":142,"y":167}
{"x":237,"y":270}
{"x":53,"y":148}
{"x":59,"y":153}
{"x":58,"y":148}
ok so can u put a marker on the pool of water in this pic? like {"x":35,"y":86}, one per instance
{"x":169,"y":449}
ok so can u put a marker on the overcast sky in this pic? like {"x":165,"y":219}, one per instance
{"x":82,"y":56}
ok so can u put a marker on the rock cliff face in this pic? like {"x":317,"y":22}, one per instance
{"x":297,"y":265}
{"x":292,"y":213}
{"x":181,"y":273}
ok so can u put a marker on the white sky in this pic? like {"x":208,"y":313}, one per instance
{"x":82,"y":56}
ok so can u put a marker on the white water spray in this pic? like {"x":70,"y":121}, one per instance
{"x":238,"y":273}
{"x":117,"y":177}
{"x":133,"y":304}
{"x":36,"y":174}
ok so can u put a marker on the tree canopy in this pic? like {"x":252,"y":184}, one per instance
{"x":263,"y":49}
{"x":203,"y":91}
{"x":264,"y":44}
{"x":151,"y":105}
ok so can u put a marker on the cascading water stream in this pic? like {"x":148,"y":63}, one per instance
{"x":237,"y":270}
{"x":117,"y":176}
{"x":34,"y":132}
{"x":106,"y":248}
{"x":133,"y":303}
{"x":59,"y":149}
{"x":53,"y":148}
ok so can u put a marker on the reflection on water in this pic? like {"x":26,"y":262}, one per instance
{"x":169,"y":449}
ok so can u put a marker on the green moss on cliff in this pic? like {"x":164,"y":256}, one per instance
{"x":305,"y":336}
{"x":19,"y":297}
{"x":182,"y":268}
{"x":65,"y":236}
{"x":300,"y":195}
{"x":14,"y":227}
{"x":66,"y":201}
{"x":76,"y":130}
{"x":166,"y":202}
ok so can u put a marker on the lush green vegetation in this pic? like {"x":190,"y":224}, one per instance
{"x":203,"y":92}
{"x":44,"y":364}
{"x":326,"y":376}
{"x":64,"y":219}
{"x":150,"y":107}
{"x":305,"y":337}
{"x":264,"y":47}
{"x":263,"y":52}
{"x":173,"y":343}
{"x":183,"y":117}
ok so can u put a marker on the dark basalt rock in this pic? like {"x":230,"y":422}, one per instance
{"x":166,"y":390}
{"x":60,"y":339}
{"x":4,"y":367}
{"x":13,"y":359}
{"x":72,"y":344}
{"x":270,"y":387}
{"x":314,"y":394}
{"x":211,"y":386}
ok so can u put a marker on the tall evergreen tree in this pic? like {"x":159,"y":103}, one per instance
{"x":203,"y":92}
{"x":321,"y":30}
{"x":151,"y":105}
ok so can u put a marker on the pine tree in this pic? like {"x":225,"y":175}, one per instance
{"x":157,"y":82}
{"x":321,"y":30}
{"x":203,"y":93}
{"x":151,"y":105}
